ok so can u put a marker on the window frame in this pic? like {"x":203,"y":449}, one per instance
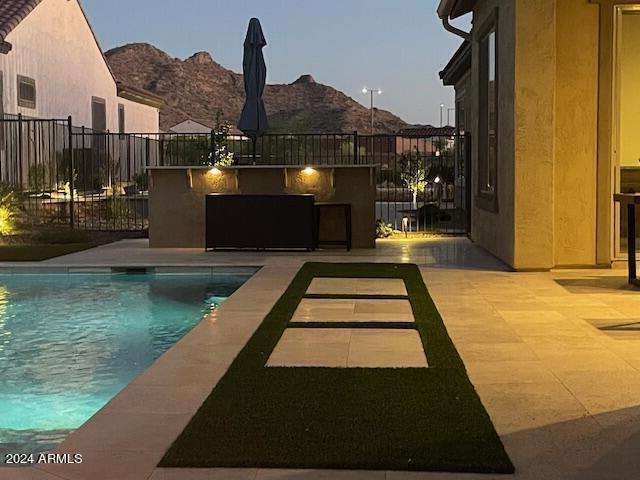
{"x":103,"y":102}
{"x":487,"y":199}
{"x":122,"y":119}
{"x":2,"y":126}
{"x":23,"y":102}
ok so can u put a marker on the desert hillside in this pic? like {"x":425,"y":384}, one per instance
{"x":199,"y":87}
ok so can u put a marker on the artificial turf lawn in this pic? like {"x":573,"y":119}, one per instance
{"x":344,"y":418}
{"x":25,"y":253}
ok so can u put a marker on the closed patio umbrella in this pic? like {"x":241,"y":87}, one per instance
{"x":253,"y":121}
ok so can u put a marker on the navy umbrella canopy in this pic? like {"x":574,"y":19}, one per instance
{"x":253,"y":121}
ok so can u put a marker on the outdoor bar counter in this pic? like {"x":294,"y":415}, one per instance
{"x":177,"y":198}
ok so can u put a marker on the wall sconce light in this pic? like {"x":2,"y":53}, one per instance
{"x":436,"y":180}
{"x":309,"y":171}
{"x":215,"y":171}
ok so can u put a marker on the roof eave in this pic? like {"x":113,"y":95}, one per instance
{"x":5,"y":47}
{"x":455,"y":8}
{"x":139,"y":96}
{"x":458,"y":66}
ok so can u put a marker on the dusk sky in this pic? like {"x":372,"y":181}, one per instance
{"x":398,"y":47}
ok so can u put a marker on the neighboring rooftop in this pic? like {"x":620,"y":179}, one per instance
{"x":12,"y":12}
{"x":427,"y":131}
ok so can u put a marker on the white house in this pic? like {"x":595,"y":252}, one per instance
{"x":51,"y":66}
{"x":190,"y":126}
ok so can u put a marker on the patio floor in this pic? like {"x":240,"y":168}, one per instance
{"x":554,"y":356}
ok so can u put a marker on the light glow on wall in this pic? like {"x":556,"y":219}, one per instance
{"x":308,"y":171}
{"x":215,"y":171}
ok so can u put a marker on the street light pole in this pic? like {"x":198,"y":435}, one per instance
{"x":441,"y":110}
{"x":371,"y":91}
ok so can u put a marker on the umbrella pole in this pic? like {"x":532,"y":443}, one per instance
{"x":253,"y":141}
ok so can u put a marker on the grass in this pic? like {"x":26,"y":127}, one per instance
{"x":345,"y":418}
{"x":25,"y":253}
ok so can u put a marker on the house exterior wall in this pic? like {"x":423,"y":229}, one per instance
{"x":139,"y":118}
{"x":534,"y":133}
{"x":548,"y":162}
{"x":556,"y":133}
{"x":463,"y":96}
{"x":576,"y":133}
{"x":494,"y":230}
{"x":55,"y":46}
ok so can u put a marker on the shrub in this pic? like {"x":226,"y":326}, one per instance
{"x":141,"y":180}
{"x":116,"y":211}
{"x":383,"y":230}
{"x":9,"y":208}
{"x":37,"y":175}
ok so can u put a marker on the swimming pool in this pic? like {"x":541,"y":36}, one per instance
{"x":70,"y":342}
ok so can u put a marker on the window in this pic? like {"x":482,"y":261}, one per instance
{"x":488,"y":121}
{"x":98,"y":114}
{"x":1,"y":96}
{"x":461,"y":118}
{"x":121,"y":122}
{"x":26,"y":92}
{"x":2,"y":125}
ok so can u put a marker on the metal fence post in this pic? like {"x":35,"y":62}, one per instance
{"x":212,"y":159}
{"x":71,"y":169}
{"x":356,"y":147}
{"x":146,"y":148}
{"x":19,"y":166}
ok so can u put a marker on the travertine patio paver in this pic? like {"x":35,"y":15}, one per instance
{"x":311,"y":347}
{"x":386,"y":348}
{"x":346,"y":347}
{"x":357,"y":286}
{"x":347,"y":310}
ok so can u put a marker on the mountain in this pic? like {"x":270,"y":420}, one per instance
{"x":199,"y":87}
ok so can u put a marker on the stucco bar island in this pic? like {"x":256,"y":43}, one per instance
{"x":177,"y":198}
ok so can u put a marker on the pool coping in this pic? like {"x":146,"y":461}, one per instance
{"x":130,"y":434}
{"x":127,"y":268}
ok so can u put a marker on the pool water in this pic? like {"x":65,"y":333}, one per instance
{"x":69,"y":343}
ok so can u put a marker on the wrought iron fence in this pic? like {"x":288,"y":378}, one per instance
{"x":98,"y":180}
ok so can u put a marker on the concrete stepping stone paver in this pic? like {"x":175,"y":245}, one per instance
{"x":357,"y":286}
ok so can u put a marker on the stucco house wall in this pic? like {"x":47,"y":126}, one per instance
{"x":554,"y":158}
{"x":495,"y":230}
{"x":576,"y":133}
{"x":534,"y":98}
{"x":55,"y":46}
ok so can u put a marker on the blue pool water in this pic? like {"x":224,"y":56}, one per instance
{"x":69,"y":343}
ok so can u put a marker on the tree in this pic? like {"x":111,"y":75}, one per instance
{"x":220,"y":156}
{"x":413,"y":174}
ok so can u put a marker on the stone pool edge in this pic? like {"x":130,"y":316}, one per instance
{"x":131,"y":433}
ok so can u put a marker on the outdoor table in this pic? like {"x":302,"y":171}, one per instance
{"x":346,"y":207}
{"x":630,"y":200}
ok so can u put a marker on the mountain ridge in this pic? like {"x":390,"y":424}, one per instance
{"x":198,"y":88}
